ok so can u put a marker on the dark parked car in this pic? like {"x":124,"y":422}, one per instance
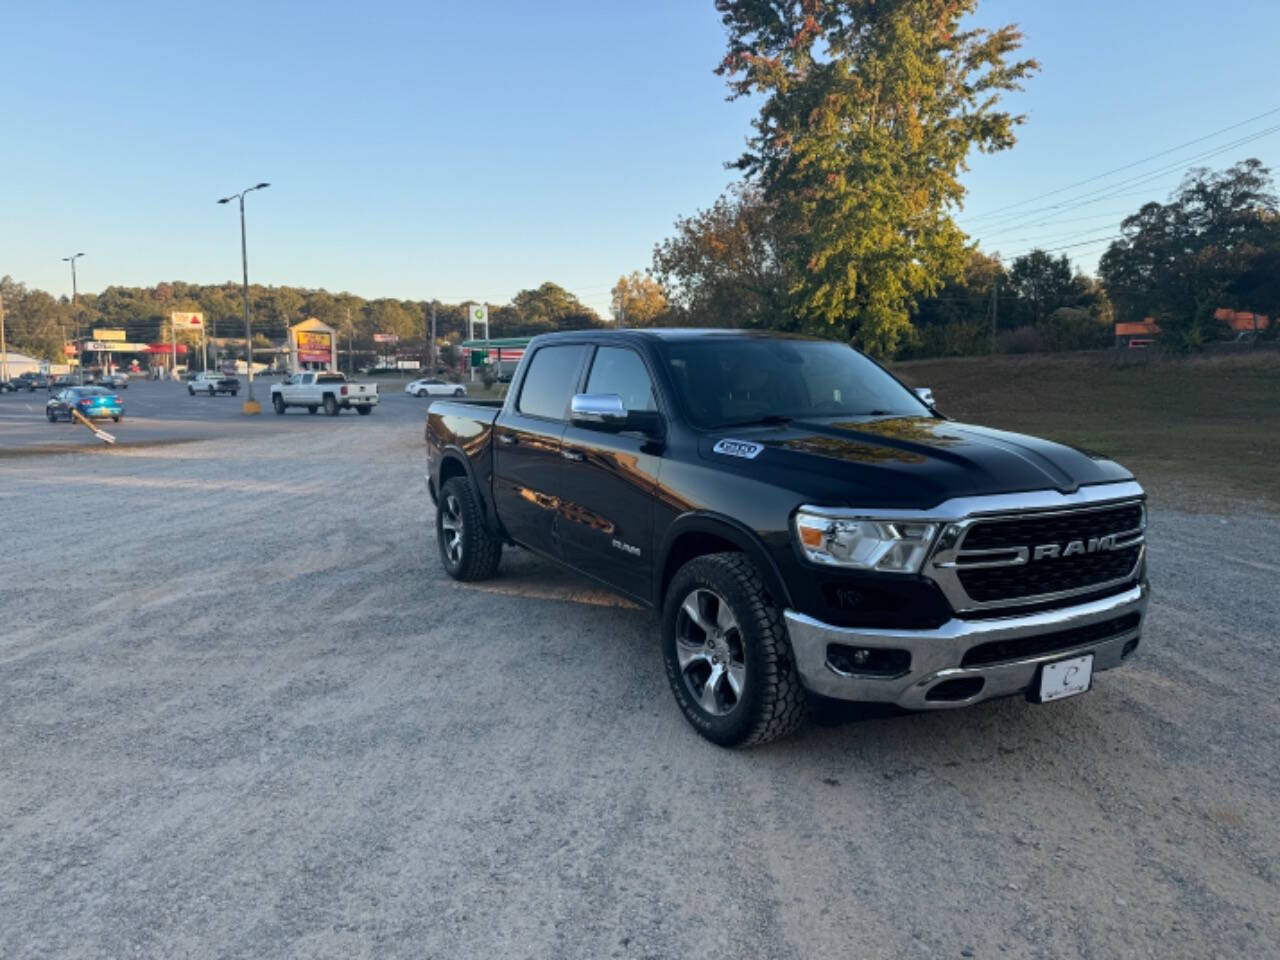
{"x":30,"y":382}
{"x":803,"y":522}
{"x":92,"y":402}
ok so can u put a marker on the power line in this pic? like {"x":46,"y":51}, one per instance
{"x":1110,"y":192}
{"x":1065,"y":246}
{"x":1129,"y":166}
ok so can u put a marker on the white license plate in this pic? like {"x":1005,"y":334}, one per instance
{"x":1066,"y":678}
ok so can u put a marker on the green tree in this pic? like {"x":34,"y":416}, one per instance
{"x":1042,"y":284}
{"x":1179,"y":261}
{"x":869,"y":113}
{"x":957,"y":321}
{"x":638,"y":300}
{"x":724,"y":267}
{"x":549,"y":307}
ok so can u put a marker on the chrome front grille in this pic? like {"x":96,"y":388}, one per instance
{"x":989,"y":562}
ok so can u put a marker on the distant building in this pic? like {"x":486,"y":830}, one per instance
{"x":1136,"y":335}
{"x":1241,"y":322}
{"x":20,"y":363}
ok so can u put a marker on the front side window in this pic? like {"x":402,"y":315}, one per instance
{"x":722,"y":382}
{"x":621,"y":371}
{"x":550,"y":382}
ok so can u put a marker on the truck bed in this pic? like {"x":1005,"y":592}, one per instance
{"x":466,"y":424}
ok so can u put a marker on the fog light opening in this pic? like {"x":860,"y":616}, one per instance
{"x":1129,"y":647}
{"x":853,"y":661}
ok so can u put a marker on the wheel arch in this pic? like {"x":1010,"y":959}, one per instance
{"x":454,"y":463}
{"x":695,"y":535}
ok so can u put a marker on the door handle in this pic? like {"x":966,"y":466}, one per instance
{"x":510,"y":439}
{"x":577,"y":455}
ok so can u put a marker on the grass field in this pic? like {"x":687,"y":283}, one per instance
{"x":1197,"y":431}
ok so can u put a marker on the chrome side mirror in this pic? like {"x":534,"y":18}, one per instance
{"x":598,"y":408}
{"x":926,"y":396}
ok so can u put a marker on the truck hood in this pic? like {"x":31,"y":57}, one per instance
{"x":914,"y":462}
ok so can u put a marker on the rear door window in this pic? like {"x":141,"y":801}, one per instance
{"x":551,"y":382}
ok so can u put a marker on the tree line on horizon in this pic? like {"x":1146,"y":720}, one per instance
{"x":39,"y":323}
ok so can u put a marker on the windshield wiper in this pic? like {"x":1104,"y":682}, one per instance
{"x":769,"y":419}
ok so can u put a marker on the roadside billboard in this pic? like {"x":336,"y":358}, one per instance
{"x":116,"y":335}
{"x":385,"y":338}
{"x":187,"y":321}
{"x":315,"y":346}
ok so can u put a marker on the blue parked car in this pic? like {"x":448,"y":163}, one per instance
{"x":92,"y":402}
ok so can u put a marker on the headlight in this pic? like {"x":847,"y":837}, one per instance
{"x":887,"y":546}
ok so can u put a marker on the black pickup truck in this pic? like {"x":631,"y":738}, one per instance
{"x":804,"y":523}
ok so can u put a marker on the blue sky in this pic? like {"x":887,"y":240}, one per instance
{"x":468,"y":150}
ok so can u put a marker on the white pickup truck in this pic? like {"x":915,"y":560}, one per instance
{"x":332,"y":391}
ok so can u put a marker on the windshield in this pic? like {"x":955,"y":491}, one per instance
{"x":722,"y":382}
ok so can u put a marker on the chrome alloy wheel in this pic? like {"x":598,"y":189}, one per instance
{"x":710,"y":652}
{"x":451,"y":527}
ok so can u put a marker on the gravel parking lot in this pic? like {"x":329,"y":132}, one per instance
{"x":243,"y":713}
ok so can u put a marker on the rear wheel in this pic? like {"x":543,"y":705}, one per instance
{"x":212,"y":392}
{"x":365,"y":410}
{"x":727,"y":655}
{"x":467,"y":549}
{"x":330,"y":406}
{"x":278,"y":403}
{"x":459,"y":392}
{"x":312,"y":408}
{"x":117,"y":417}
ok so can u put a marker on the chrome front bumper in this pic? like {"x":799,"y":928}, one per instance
{"x":936,"y":654}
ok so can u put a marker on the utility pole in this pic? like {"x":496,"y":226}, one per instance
{"x":995,"y":286}
{"x":4,"y":345}
{"x":74,"y":315}
{"x":432,"y":354}
{"x":250,"y":405}
{"x":351,"y":360}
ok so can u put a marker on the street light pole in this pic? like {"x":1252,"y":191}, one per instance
{"x":75,"y":316}
{"x":250,"y":405}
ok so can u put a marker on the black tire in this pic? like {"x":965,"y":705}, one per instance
{"x":477,"y":551}
{"x":364,"y":410}
{"x":421,"y":394}
{"x":771,"y":703}
{"x":278,"y":403}
{"x":53,"y":417}
{"x":213,"y":392}
{"x":312,"y":409}
{"x":459,"y":392}
{"x":117,"y":418}
{"x":234,"y":392}
{"x":191,"y":390}
{"x":330,"y":405}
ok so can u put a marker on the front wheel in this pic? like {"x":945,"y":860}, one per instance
{"x":467,"y":549}
{"x":277,"y":402}
{"x":191,"y":391}
{"x":53,"y":417}
{"x":312,"y":408}
{"x":116,"y":418}
{"x":330,"y":406}
{"x":421,"y":394}
{"x":727,"y":655}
